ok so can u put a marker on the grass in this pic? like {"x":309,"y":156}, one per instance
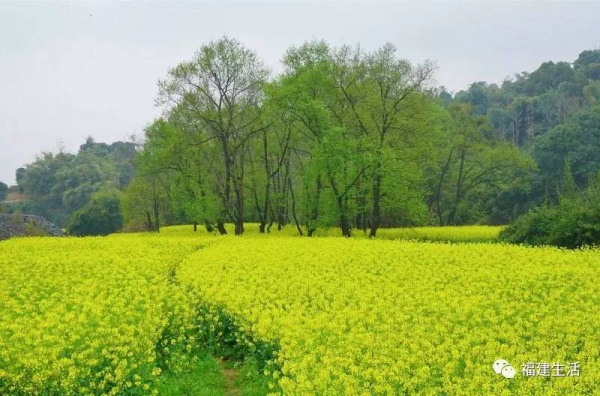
{"x":209,"y":376}
{"x":244,"y":379}
{"x":203,"y":378}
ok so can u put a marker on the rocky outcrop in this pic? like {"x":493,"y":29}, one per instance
{"x":13,"y":225}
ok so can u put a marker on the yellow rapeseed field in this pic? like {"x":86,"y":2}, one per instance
{"x":434,"y":234}
{"x":360,"y":317}
{"x":89,"y":316}
{"x":328,"y":315}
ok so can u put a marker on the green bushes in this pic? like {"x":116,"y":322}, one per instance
{"x":573,"y":223}
{"x":100,"y":216}
{"x":565,"y":225}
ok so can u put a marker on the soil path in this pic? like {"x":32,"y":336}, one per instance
{"x":231,"y":376}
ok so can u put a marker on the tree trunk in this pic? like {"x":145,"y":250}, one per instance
{"x":342,"y":205}
{"x":262,"y":215}
{"x":149,"y":222}
{"x":226,"y":194}
{"x":266,"y":206}
{"x":345,"y":225}
{"x":312,"y":222}
{"x":239,"y":226}
{"x":294,"y":208}
{"x":209,"y":227}
{"x":272,"y":217}
{"x":156,"y":215}
{"x":195,"y":226}
{"x":438,"y":194}
{"x":239,"y":207}
{"x":221,"y":228}
{"x":283,"y":215}
{"x":361,"y":216}
{"x":376,"y":215}
{"x":459,"y":186}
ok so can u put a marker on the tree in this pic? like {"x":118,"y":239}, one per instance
{"x":356,"y":115}
{"x":588,"y":64}
{"x":587,"y":57}
{"x":474,"y":165}
{"x":218,"y":95}
{"x":269,"y":165}
{"x":300,"y":97}
{"x":381,"y":93}
{"x":100,"y":216}
{"x":147,"y":203}
{"x":19,"y":175}
{"x":576,"y":140}
{"x":591,"y":93}
{"x":571,"y":223}
{"x":37,"y":182}
{"x":476,"y":96}
{"x":348,"y":137}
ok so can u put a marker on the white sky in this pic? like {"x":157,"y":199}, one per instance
{"x":70,"y":70}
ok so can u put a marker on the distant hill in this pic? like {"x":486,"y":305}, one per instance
{"x":56,"y":185}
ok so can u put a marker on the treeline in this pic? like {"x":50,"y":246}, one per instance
{"x":61,"y":186}
{"x":341,"y":137}
{"x":344,"y":137}
{"x":552,"y":113}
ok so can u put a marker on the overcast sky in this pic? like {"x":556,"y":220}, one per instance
{"x":71,"y":70}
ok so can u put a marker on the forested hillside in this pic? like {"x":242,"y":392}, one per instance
{"x":57,"y":185}
{"x":342,"y":137}
{"x":551,"y":113}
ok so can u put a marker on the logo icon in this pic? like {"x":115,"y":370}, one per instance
{"x":502,"y":367}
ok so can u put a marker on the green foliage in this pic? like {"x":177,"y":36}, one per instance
{"x":214,"y":103}
{"x":58,"y":184}
{"x":532,"y":228}
{"x":478,"y":173}
{"x":531,"y":104}
{"x":360,"y":139}
{"x":573,"y":223}
{"x":343,"y":136}
{"x":370,"y":128}
{"x":100,"y":216}
{"x":202,"y":378}
{"x":567,"y":225}
{"x":576,"y":140}
{"x":551,"y":114}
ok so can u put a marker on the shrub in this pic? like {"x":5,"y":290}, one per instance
{"x":532,"y":228}
{"x":573,"y":223}
{"x":100,"y":216}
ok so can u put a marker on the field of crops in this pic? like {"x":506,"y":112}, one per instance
{"x":464,"y":234}
{"x":89,"y":316}
{"x":326,"y":316}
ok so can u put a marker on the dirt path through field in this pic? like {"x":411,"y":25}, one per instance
{"x":231,"y":376}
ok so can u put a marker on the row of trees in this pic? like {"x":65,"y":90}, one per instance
{"x":343,"y":136}
{"x":347,"y":137}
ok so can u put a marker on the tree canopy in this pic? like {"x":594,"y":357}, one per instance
{"x":347,"y":137}
{"x":341,"y":137}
